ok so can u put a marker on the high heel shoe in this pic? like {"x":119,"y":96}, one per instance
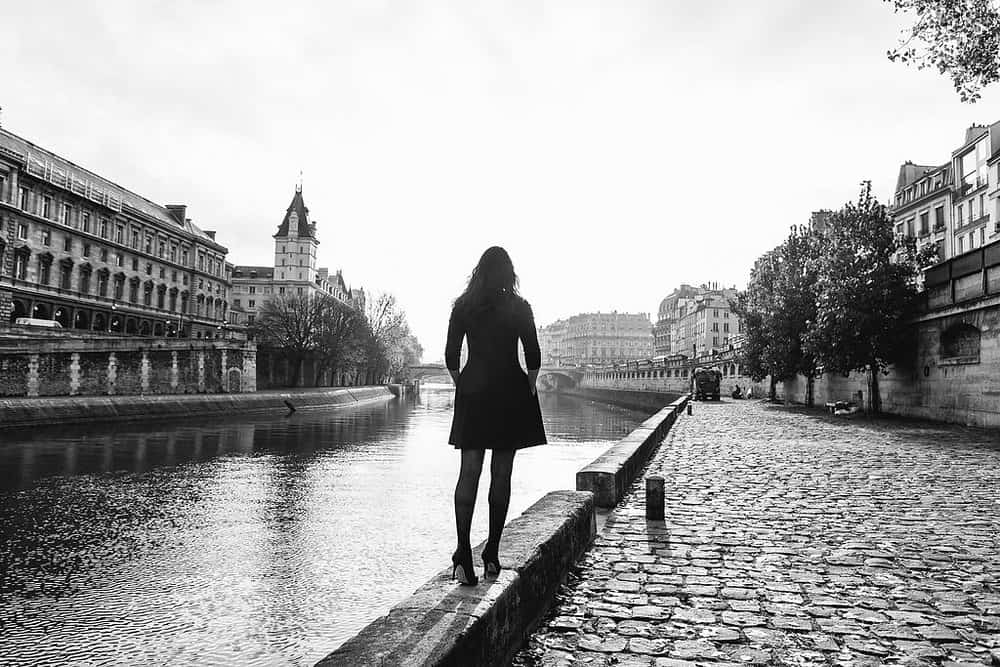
{"x":462,"y":569}
{"x":491,"y":563}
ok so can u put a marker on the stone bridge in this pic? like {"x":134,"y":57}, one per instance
{"x":551,"y":378}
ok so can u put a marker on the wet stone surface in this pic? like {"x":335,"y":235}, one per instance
{"x":793,"y":538}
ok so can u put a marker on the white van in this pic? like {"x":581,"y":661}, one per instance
{"x":35,"y":322}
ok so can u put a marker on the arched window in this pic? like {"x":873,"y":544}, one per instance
{"x":960,"y":341}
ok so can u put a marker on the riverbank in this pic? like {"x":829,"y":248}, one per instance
{"x":21,"y":412}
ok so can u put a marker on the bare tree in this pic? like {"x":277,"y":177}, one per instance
{"x":340,"y":337}
{"x":290,"y":322}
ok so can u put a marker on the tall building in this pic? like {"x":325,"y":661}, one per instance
{"x":953,"y":205}
{"x":597,"y":338}
{"x":694,"y":320}
{"x":295,"y":269}
{"x":923,"y":205}
{"x":93,"y":256}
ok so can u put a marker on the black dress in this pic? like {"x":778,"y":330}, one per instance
{"x":494,"y":407}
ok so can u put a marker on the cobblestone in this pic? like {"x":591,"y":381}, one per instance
{"x":793,"y":538}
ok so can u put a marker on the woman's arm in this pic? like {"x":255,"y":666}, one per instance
{"x":532,"y":352}
{"x":453,"y":346}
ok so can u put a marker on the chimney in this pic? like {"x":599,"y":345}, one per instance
{"x":177,"y":212}
{"x":210,"y":234}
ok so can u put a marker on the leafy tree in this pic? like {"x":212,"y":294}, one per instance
{"x":388,"y":331}
{"x":960,"y":38}
{"x":866,"y":291}
{"x":777,"y":309}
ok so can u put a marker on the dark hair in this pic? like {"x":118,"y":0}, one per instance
{"x":492,"y":281}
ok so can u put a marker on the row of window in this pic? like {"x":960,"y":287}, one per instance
{"x":150,"y":242}
{"x":116,"y":258}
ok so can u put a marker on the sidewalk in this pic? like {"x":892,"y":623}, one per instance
{"x":794,"y":538}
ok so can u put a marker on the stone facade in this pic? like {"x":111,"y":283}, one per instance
{"x":295,"y":270}
{"x":695,"y":320}
{"x":596,"y":338}
{"x":61,"y":365}
{"x":83,"y":251}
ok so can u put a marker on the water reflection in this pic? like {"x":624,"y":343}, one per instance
{"x":242,"y":541}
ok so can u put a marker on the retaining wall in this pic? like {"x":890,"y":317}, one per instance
{"x":65,"y":364}
{"x":16,"y":412}
{"x":609,"y":476}
{"x":635,"y":399}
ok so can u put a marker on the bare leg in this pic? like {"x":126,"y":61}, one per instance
{"x":501,"y":465}
{"x":465,"y":494}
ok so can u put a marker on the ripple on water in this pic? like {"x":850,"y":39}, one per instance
{"x":251,"y":541}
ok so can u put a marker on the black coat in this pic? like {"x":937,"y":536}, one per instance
{"x":494,"y":407}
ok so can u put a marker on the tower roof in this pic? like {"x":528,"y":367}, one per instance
{"x":304,"y":228}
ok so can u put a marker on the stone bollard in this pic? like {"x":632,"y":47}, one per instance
{"x":689,"y":408}
{"x":654,"y":498}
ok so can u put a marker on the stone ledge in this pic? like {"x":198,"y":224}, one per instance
{"x":609,"y":475}
{"x":444,"y":623}
{"x":19,"y":412}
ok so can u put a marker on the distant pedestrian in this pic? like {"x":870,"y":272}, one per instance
{"x":496,"y":401}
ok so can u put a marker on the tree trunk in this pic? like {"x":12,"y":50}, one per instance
{"x":772,"y":394}
{"x":295,"y":361}
{"x":874,"y":398}
{"x":809,"y":391}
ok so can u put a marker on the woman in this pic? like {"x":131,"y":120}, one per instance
{"x":496,"y":402}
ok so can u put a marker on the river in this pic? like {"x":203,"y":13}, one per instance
{"x":263,"y":540}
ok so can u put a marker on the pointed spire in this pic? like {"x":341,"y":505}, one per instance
{"x":298,"y":188}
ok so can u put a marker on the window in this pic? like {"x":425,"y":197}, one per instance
{"x":22,"y":231}
{"x":85,"y":222}
{"x":135,"y":263}
{"x":201,"y":284}
{"x":725,"y":327}
{"x":281,"y":290}
{"x":22,"y":196}
{"x":961,"y":215}
{"x":184,"y":257}
{"x":252,"y":303}
{"x":85,"y":282}
{"x":159,"y":297}
{"x":104,"y":228}
{"x":104,"y":254}
{"x":899,"y":229}
{"x":68,"y":243}
{"x":163,"y":273}
{"x":119,"y":286}
{"x":939,"y":217}
{"x":982,"y":204}
{"x":236,"y":302}
{"x":133,"y":291}
{"x":147,"y":294}
{"x":173,"y":276}
{"x":102,"y":283}
{"x":283,"y":261}
{"x":925,"y":224}
{"x":119,"y":234}
{"x":982,"y":236}
{"x":46,"y":237}
{"x":65,"y":274}
{"x":173,"y":253}
{"x":20,"y":266}
{"x":86,"y":250}
{"x":149,"y":269}
{"x":961,"y":245}
{"x":135,"y":239}
{"x":250,"y":318}
{"x":119,"y":259}
{"x":253,"y":290}
{"x":149,"y":244}
{"x":300,"y":290}
{"x":45,"y":270}
{"x":67,"y":215}
{"x":162,"y":250}
{"x":909,"y":227}
{"x":46,"y":206}
{"x":3,"y":187}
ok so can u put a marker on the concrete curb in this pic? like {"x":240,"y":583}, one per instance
{"x":445,"y":624}
{"x":609,"y":475}
{"x":20,"y":412}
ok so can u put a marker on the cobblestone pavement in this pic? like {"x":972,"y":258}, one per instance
{"x":794,"y":538}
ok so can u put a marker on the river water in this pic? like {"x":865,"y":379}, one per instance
{"x":249,"y":540}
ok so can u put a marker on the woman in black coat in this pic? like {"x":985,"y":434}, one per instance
{"x":496,"y":403}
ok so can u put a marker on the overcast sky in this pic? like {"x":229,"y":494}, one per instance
{"x":615,"y":149}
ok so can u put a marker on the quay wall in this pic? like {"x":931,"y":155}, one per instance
{"x":953,"y":376}
{"x":22,"y":412}
{"x":63,"y":364}
{"x":647,"y":400}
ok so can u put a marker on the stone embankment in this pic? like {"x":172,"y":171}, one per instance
{"x":792,"y":537}
{"x":20,"y":412}
{"x":446,"y":624}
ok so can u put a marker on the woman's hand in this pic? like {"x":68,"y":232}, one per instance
{"x":532,"y":382}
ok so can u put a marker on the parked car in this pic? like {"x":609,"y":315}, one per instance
{"x":35,"y":322}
